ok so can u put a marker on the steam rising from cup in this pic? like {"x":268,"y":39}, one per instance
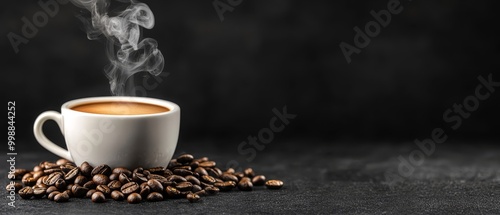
{"x":126,"y":52}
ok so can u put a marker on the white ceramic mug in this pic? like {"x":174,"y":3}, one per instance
{"x":146,"y":140}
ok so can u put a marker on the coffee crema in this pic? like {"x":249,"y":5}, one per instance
{"x":120,"y":108}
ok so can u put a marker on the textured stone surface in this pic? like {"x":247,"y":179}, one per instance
{"x":324,"y":178}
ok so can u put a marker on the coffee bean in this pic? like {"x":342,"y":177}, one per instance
{"x":71,"y":175}
{"x":208,"y":179}
{"x":249,"y":172}
{"x":120,"y":170}
{"x":173,"y":163}
{"x":193,"y":197}
{"x":156,"y":170}
{"x":117,"y":195}
{"x":79,"y":191}
{"x":138,"y":170}
{"x":212,"y":172}
{"x":29,"y":181}
{"x":27,"y":175}
{"x":259,"y":180}
{"x":219,"y":172}
{"x":90,"y":185}
{"x":202,"y":159}
{"x":89,"y":193}
{"x":212,"y":190}
{"x":61,"y":197}
{"x":81,"y":180}
{"x":201,"y":171}
{"x":182,"y":172}
{"x":62,"y":161}
{"x":104,"y":189}
{"x":48,"y":166}
{"x":185,"y":167}
{"x":175,"y":181}
{"x":167,"y":172}
{"x":225,"y":186}
{"x":101,"y":169}
{"x":207,"y":164}
{"x":159,"y":178}
{"x":230,"y":171}
{"x":52,"y":179}
{"x":68,"y":192}
{"x":145,"y":191}
{"x":184,"y":186}
{"x":52,"y":194}
{"x":229,"y":177}
{"x":115,"y":185}
{"x":274,"y":184}
{"x":41,"y":179}
{"x":98,"y":197}
{"x":196,"y":188}
{"x":37,"y":168}
{"x":134,"y":198}
{"x":172,"y":192}
{"x":123,"y":178}
{"x":155,"y":185}
{"x":129,"y":188}
{"x":51,"y":189}
{"x":176,"y":178}
{"x":194,"y":164}
{"x":50,"y":171}
{"x":192,"y":179}
{"x":16,"y":187}
{"x":100,"y":179}
{"x":40,"y":185}
{"x":185,"y":158}
{"x":204,"y":185}
{"x":66,"y":168}
{"x":240,"y":175}
{"x":114,"y":176}
{"x":201,"y":193}
{"x":139,"y":177}
{"x":155,"y":197}
{"x":86,"y":169}
{"x":26,"y":192}
{"x":39,"y":192}
{"x":245,"y":184}
{"x":60,"y":184}
{"x":37,"y":175}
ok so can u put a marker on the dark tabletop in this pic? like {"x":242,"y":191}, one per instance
{"x":321,"y":178}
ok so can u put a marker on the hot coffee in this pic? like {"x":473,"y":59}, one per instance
{"x":115,"y":130}
{"x":120,"y":108}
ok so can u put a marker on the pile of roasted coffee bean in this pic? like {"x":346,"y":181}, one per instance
{"x":184,"y":177}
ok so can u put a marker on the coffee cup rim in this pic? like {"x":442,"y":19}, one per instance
{"x":66,"y":107}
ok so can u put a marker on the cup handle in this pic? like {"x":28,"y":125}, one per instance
{"x":43,"y":140}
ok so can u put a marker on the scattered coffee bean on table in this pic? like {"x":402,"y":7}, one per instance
{"x":274,"y":184}
{"x":184,"y":177}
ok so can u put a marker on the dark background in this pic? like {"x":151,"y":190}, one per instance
{"x":228,"y":76}
{"x":355,"y":122}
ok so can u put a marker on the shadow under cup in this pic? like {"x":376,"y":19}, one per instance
{"x":118,"y":140}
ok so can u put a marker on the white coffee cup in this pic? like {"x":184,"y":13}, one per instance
{"x":145,"y":140}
